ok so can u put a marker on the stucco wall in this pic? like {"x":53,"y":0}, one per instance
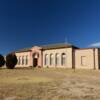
{"x":86,"y":58}
{"x":78,"y":58}
{"x":34,"y":49}
{"x":67,"y":51}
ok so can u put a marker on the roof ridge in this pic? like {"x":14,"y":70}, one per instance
{"x":56,"y":44}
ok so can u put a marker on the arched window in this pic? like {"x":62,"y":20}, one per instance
{"x":19,"y":61}
{"x":23,"y":60}
{"x":26,"y":60}
{"x":46,"y":59}
{"x":63,"y":59}
{"x":51,"y":59}
{"x":57,"y":59}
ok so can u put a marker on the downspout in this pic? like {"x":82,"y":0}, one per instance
{"x":73,"y":58}
{"x":41,"y":57}
{"x":99,"y":59}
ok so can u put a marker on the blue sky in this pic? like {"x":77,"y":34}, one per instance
{"x":24,"y":23}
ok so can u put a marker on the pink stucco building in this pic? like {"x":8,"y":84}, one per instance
{"x":59,"y":56}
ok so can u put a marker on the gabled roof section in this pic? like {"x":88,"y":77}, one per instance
{"x":57,"y":46}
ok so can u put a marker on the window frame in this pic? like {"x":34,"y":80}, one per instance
{"x":63,"y":59}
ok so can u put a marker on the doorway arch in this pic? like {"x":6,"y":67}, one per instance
{"x":35,"y":59}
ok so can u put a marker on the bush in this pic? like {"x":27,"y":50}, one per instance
{"x":11,"y":61}
{"x":2,"y":61}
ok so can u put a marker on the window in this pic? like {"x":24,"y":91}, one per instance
{"x":23,"y":60}
{"x":51,"y":59}
{"x":63,"y":59}
{"x":57,"y":59}
{"x":26,"y":60}
{"x":46,"y":59}
{"x":83,"y":60}
{"x":19,"y":61}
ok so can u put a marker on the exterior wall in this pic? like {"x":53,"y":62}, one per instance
{"x":75,"y":58}
{"x":23,"y":54}
{"x":67,"y":51}
{"x":30,"y":57}
{"x":90,"y":58}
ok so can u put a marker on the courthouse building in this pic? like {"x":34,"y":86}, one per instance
{"x":59,"y":56}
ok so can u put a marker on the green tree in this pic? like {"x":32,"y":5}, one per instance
{"x":11,"y":61}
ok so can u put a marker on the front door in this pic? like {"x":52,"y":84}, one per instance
{"x":35,"y":62}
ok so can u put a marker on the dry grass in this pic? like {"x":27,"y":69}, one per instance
{"x":49,"y":84}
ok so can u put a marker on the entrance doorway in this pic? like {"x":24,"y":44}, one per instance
{"x":35,"y":62}
{"x":35,"y":59}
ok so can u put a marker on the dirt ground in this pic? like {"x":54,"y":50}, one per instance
{"x":49,"y":84}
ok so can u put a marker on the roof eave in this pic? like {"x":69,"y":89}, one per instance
{"x":23,"y":51}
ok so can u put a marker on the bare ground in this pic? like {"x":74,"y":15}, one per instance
{"x":49,"y":84}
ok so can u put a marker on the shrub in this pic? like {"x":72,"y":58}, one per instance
{"x":2,"y":61}
{"x":11,"y":61}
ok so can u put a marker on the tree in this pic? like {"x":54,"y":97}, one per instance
{"x":11,"y":61}
{"x":2,"y":61}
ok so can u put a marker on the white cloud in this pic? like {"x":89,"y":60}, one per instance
{"x":97,"y":44}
